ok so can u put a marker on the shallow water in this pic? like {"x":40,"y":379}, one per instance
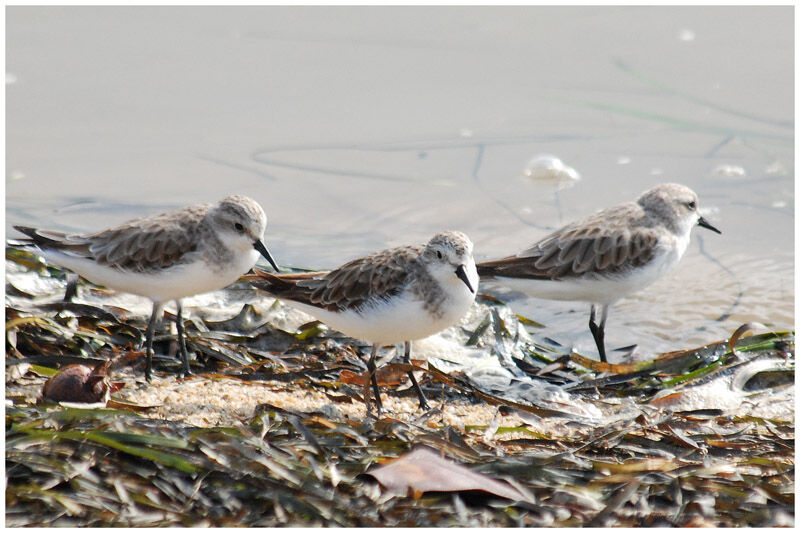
{"x":362,"y":128}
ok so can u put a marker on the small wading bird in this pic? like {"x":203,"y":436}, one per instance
{"x":397,"y":295}
{"x":606,"y":256}
{"x":165,"y":257}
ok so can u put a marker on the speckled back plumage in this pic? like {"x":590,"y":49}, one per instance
{"x":588,"y":246}
{"x":144,"y":244}
{"x":155,"y":242}
{"x":610,"y":242}
{"x":378,"y":275}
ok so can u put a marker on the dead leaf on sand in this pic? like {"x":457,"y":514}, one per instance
{"x":424,"y":470}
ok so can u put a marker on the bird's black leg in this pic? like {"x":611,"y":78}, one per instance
{"x":598,"y":331}
{"x":72,"y":287}
{"x":373,"y":377}
{"x":423,"y":403}
{"x":182,"y":340}
{"x":158,"y":308}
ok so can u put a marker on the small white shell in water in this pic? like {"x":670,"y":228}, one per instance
{"x":549,"y":168}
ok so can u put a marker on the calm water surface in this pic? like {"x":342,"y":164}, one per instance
{"x":362,"y":128}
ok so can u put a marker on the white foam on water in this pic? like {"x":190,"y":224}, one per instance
{"x":726,"y":392}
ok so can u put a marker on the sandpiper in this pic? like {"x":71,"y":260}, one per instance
{"x":167,"y":256}
{"x":396,"y":295}
{"x":606,"y":256}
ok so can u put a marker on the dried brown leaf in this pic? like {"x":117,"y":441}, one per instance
{"x":740,"y":331}
{"x":424,"y":470}
{"x":663,"y":465}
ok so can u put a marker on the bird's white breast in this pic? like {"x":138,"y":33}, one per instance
{"x":400,"y":318}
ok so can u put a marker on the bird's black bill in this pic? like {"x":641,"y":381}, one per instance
{"x":704,"y":223}
{"x":461,"y":272}
{"x":258,"y":245}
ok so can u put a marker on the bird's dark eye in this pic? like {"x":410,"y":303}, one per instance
{"x":692,"y":205}
{"x":439,"y":254}
{"x":238,"y":227}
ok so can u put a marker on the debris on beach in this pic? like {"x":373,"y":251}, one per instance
{"x":271,"y":429}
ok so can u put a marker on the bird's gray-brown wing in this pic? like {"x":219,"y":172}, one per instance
{"x":350,"y":286}
{"x":143,"y":245}
{"x":604,"y":244}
